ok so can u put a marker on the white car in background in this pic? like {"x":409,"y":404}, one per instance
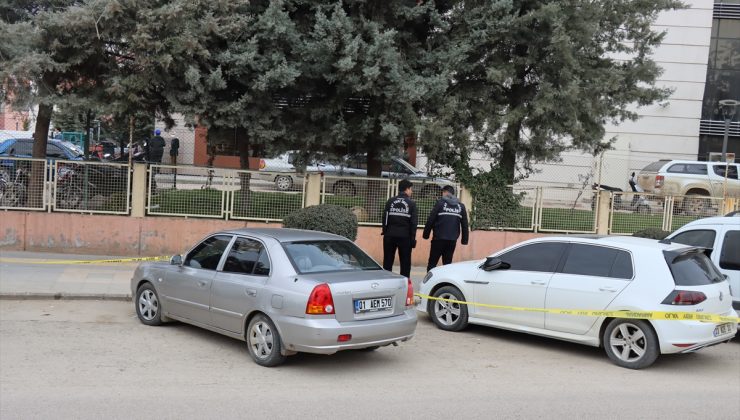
{"x":722,"y":236}
{"x":282,"y":171}
{"x":589,"y":273}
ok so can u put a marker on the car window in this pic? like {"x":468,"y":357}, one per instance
{"x":719,"y":170}
{"x":599,"y":261}
{"x":208,"y":253}
{"x":689,"y":168}
{"x":693,"y":269}
{"x":655,"y":166}
{"x":21,"y":148}
{"x":318,"y":256}
{"x":534,"y":257}
{"x":262,"y":268}
{"x":729,"y":258}
{"x":622,"y":268}
{"x":703,"y":238}
{"x":54,"y":151}
{"x":243,"y":256}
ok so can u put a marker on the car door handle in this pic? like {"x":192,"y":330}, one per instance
{"x":607,"y":289}
{"x":251,"y":292}
{"x":201,"y":283}
{"x":475,"y":282}
{"x":538,"y":283}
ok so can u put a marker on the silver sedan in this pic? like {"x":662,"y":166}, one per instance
{"x":282,"y":291}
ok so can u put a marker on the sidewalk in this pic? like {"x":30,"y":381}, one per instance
{"x":24,"y":278}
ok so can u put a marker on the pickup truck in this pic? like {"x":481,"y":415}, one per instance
{"x":689,"y":181}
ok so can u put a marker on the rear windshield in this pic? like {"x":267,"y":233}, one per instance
{"x":323,"y":256}
{"x":655,"y":166}
{"x":693,"y":269}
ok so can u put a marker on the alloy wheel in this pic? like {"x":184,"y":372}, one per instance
{"x":148,"y":304}
{"x":628,"y":342}
{"x":261,"y":340}
{"x":446,"y":313}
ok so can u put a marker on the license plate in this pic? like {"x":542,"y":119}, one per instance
{"x":723,"y":329}
{"x":373,"y":305}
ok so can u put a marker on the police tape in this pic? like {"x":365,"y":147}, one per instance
{"x":75,"y":262}
{"x":651,"y":315}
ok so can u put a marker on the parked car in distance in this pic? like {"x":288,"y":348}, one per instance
{"x":722,"y":236}
{"x":690,"y":178}
{"x":55,"y":149}
{"x":282,"y":291}
{"x":282,"y":169}
{"x":589,"y":273}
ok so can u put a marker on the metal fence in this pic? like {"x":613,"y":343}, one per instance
{"x":567,"y":210}
{"x":18,"y":190}
{"x":90,"y":187}
{"x":364,"y":196}
{"x":191,"y":191}
{"x":254,"y":198}
{"x":188,"y":191}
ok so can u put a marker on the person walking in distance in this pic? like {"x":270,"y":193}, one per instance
{"x":174,"y":152}
{"x":400,"y":219}
{"x":448,"y":219}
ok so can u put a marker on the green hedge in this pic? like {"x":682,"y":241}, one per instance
{"x":324,"y":218}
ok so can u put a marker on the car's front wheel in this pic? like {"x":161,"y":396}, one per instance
{"x":449,"y":316}
{"x":263,"y":341}
{"x":284,"y":182}
{"x":148,"y":308}
{"x":631,"y":343}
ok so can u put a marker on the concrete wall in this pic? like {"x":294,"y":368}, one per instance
{"x":155,"y":236}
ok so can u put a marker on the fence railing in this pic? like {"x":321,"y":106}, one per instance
{"x":192,"y":191}
{"x":90,"y":187}
{"x":18,"y":191}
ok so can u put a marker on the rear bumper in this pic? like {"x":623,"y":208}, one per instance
{"x":689,"y":336}
{"x":319,"y":335}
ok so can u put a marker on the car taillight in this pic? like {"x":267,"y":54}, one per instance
{"x":262,"y":164}
{"x":659,"y":181}
{"x":320,"y":302}
{"x":684,"y":297}
{"x":410,"y":293}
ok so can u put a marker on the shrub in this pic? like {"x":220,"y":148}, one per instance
{"x":652,"y":233}
{"x":324,"y":218}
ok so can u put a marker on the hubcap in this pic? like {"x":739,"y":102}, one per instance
{"x":343,"y":189}
{"x":628,"y":342}
{"x":261,"y":340}
{"x":148,"y":305}
{"x":283,"y":182}
{"x":447,"y":313}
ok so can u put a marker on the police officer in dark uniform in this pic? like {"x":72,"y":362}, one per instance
{"x":155,"y":148}
{"x":399,"y":228}
{"x":448,"y":219}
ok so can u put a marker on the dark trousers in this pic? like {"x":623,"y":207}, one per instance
{"x":441,"y":248}
{"x":390,"y":244}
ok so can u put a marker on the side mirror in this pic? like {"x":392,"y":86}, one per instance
{"x":494,"y":263}
{"x":176,"y":260}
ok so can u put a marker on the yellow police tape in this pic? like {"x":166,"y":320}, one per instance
{"x":74,"y":262}
{"x":652,"y":315}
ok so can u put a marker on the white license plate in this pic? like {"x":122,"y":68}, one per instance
{"x":373,"y":305}
{"x":723,"y":329}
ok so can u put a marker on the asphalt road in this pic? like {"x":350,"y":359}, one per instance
{"x":93,"y":359}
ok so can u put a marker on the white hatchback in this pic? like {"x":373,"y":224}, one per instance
{"x":589,"y":273}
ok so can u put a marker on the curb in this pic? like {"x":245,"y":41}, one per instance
{"x":64,"y":296}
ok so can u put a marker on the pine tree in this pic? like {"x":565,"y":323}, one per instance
{"x":533,"y":78}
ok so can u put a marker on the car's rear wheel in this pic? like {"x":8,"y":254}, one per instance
{"x":283,"y":182}
{"x":696,"y":205}
{"x":344,"y":188}
{"x":148,"y":308}
{"x":631,"y":343}
{"x":263,"y":341}
{"x":448,"y":316}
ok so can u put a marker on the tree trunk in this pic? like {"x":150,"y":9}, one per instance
{"x":376,"y":191}
{"x":40,"y":138}
{"x":241,"y":207}
{"x":509,"y":149}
